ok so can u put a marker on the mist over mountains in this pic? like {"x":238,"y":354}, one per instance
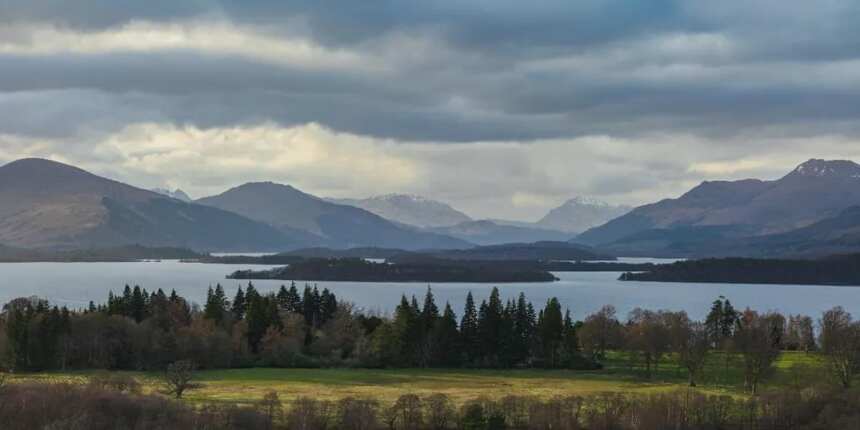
{"x":409,"y":209}
{"x":580,"y":214}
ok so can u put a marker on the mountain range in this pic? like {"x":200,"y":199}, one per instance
{"x":813,"y":210}
{"x":409,"y":209}
{"x":793,"y":215}
{"x":573,"y":217}
{"x":45,"y":204}
{"x":289,"y":210}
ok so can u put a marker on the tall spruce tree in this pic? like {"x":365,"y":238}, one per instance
{"x":239,"y":305}
{"x":427,"y":321}
{"x":469,"y":331}
{"x":551,"y":331}
{"x":446,"y":340}
{"x":294,"y":300}
{"x":489,"y":323}
{"x":216,"y":304}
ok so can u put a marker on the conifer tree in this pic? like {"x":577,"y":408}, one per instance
{"x":239,"y":305}
{"x":294,"y":300}
{"x":216,"y":304}
{"x":328,"y":306}
{"x":446,"y":339}
{"x":551,"y":331}
{"x":137,"y":305}
{"x":469,"y":330}
{"x":489,"y":323}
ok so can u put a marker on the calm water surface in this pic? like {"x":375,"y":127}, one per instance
{"x":75,"y":284}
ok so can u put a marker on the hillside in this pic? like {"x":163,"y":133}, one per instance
{"x":342,"y":226}
{"x":814,"y":191}
{"x":45,"y":204}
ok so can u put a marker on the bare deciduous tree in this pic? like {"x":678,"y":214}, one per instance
{"x":693,"y":350}
{"x":754,"y":341}
{"x":179,"y":378}
{"x":600,"y":331}
{"x":840,"y":343}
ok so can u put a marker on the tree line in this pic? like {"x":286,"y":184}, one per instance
{"x":139,"y":330}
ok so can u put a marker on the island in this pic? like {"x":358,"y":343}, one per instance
{"x":833,"y":270}
{"x":436,"y":271}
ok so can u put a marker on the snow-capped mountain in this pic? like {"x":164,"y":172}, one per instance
{"x":410,"y":209}
{"x":580,"y":214}
{"x":178,"y":194}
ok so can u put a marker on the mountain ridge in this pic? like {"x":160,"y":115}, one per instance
{"x":48,"y":204}
{"x":771,"y":205}
{"x":337,"y":225}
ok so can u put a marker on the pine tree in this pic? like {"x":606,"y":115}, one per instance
{"x":569,"y":341}
{"x":551,"y":331}
{"x":310,"y":307}
{"x":489,"y":323}
{"x":294,"y":301}
{"x":524,"y":329}
{"x":729,"y":320}
{"x":508,"y":344}
{"x":328,"y":306}
{"x":283,"y":298}
{"x":446,"y":340}
{"x":714,"y":322}
{"x":469,"y":331}
{"x":258,"y":318}
{"x":239,"y":305}
{"x":427,"y":321}
{"x":404,"y":327}
{"x":125,"y":304}
{"x":137,"y":305}
{"x":216,"y":304}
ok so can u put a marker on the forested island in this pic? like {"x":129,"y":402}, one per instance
{"x":834,"y":270}
{"x":360,"y":270}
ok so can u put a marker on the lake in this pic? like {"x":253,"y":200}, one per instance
{"x":75,"y":284}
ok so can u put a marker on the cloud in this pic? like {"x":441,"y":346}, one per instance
{"x":487,"y":179}
{"x":503,"y":108}
{"x":217,"y":38}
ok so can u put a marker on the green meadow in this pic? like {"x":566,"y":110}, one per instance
{"x":245,"y":386}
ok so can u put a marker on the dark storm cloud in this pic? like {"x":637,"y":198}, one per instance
{"x":492,"y":70}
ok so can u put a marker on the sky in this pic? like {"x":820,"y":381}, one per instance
{"x":503,"y":109}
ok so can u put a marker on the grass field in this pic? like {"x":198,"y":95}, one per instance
{"x":249,"y":385}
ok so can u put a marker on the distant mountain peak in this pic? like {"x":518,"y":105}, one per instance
{"x":176,"y":194}
{"x":393,"y":197}
{"x":581,"y":213}
{"x":828,"y":168}
{"x":410,"y":209}
{"x":585,"y":201}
